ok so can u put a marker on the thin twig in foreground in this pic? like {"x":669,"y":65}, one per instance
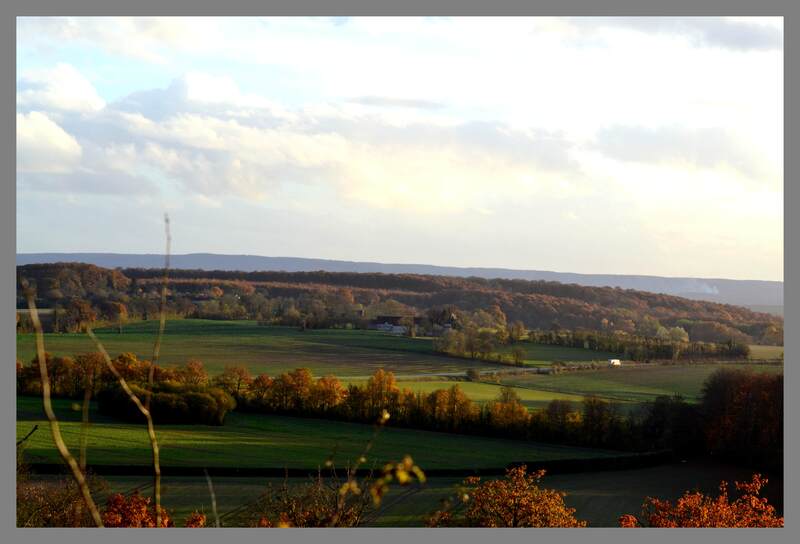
{"x":161,"y":317}
{"x":153,"y":363}
{"x":24,"y":438}
{"x":51,"y":416}
{"x":151,"y":433}
{"x":87,"y":395}
{"x":213,"y":497}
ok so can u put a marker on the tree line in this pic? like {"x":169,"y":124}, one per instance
{"x":739,"y":417}
{"x":179,"y":395}
{"x":79,"y":292}
{"x":503,"y":344}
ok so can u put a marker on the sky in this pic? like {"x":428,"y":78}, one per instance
{"x":591,"y":145}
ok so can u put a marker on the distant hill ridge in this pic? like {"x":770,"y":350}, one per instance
{"x":326,"y":298}
{"x":767,"y":295}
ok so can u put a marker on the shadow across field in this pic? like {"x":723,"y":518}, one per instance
{"x":267,"y":441}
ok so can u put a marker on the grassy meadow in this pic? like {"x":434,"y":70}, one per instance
{"x":482,"y":392}
{"x":272,"y":350}
{"x":269,"y":441}
{"x":353,"y":355}
{"x":542,"y":355}
{"x":639,"y":383}
{"x":766,"y":352}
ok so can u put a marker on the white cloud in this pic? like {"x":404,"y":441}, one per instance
{"x":736,"y":33}
{"x":706,"y":148}
{"x":652,"y":135}
{"x":206,"y":202}
{"x":60,"y":88}
{"x":146,"y":38}
{"x":204,"y":134}
{"x":43,"y":146}
{"x":210,"y":146}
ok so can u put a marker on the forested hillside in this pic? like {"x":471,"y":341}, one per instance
{"x":78,"y":292}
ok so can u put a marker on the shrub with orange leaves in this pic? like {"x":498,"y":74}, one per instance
{"x":132,"y":511}
{"x":196,"y":519}
{"x":694,"y":509}
{"x":515,"y":501}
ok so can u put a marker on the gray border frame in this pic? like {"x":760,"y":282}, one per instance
{"x":9,"y":9}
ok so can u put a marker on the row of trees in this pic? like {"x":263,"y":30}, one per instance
{"x":738,"y":409}
{"x":74,"y":314}
{"x":671,"y":344}
{"x":740,"y":415}
{"x":490,"y":344}
{"x":179,"y":395}
{"x":328,"y":299}
{"x":170,"y":403}
{"x":71,"y":376}
{"x":628,"y":305}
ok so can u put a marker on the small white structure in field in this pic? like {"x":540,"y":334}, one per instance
{"x":614,"y":362}
{"x":391,"y":329}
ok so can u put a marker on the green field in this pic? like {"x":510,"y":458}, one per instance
{"x":482,"y":392}
{"x":273,"y":350}
{"x":766,"y":352}
{"x":256,"y":440}
{"x":639,"y":383}
{"x":598,"y":497}
{"x":544,"y":355}
{"x":270,"y":350}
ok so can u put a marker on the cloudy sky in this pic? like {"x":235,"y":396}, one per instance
{"x":602,"y":145}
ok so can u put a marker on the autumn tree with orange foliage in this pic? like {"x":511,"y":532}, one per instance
{"x":381,"y":392}
{"x":694,"y":509}
{"x":450,"y":408}
{"x":132,"y":511}
{"x":196,"y":520}
{"x":193,"y":373}
{"x":261,"y":386}
{"x":326,"y":393}
{"x":234,"y":379}
{"x":516,"y":501}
